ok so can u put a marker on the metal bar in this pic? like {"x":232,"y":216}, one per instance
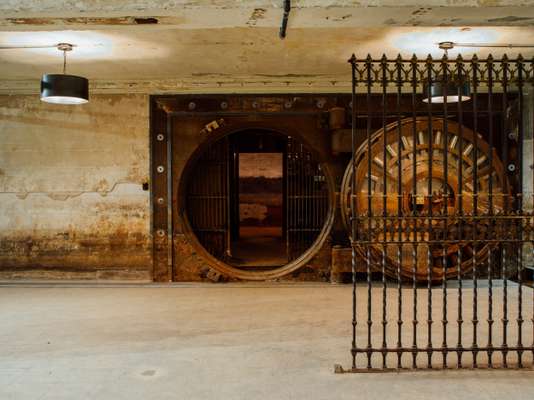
{"x":290,"y":212}
{"x":170,"y":244}
{"x":440,"y":349}
{"x":519,"y":228}
{"x":414,"y":211}
{"x":444,"y":208}
{"x":424,"y":61}
{"x":370,"y":214}
{"x":225,"y":212}
{"x":273,"y":114}
{"x":474,"y":320}
{"x":399,"y":214}
{"x":449,"y":242}
{"x":490,"y":120}
{"x":504,"y":260}
{"x":461,"y":230}
{"x":430,"y":205}
{"x":490,"y":196}
{"x":353,"y":210}
{"x":384,"y":210}
{"x":490,"y":45}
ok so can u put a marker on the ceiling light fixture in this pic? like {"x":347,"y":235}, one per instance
{"x":461,"y":90}
{"x":63,"y":88}
{"x":450,"y":90}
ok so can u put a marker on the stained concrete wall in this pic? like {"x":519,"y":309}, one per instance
{"x":71,"y":198}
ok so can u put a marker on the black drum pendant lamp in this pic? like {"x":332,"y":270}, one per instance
{"x":450,"y":90}
{"x":63,"y":88}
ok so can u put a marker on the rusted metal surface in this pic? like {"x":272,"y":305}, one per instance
{"x":342,"y":264}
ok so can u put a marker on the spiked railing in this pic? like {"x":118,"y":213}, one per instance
{"x":437,"y":212}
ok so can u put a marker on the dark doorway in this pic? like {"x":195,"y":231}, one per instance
{"x":258,"y":221}
{"x":260,"y":241}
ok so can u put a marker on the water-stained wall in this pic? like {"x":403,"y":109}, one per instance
{"x":72,"y":203}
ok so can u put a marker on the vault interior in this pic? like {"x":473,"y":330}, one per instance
{"x":257,"y":199}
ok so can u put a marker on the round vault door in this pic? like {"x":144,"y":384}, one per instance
{"x":401,"y":153}
{"x":258,"y":204}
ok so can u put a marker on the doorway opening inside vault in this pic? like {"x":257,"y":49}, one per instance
{"x":260,"y":240}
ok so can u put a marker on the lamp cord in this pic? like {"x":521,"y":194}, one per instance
{"x":64,"y":62}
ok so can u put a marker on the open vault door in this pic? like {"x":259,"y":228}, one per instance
{"x":208,"y":199}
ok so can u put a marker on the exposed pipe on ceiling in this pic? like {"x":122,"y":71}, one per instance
{"x":283,"y":27}
{"x":451,"y":45}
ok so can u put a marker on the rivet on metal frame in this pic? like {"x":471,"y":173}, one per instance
{"x":192,"y":105}
{"x":160,"y":137}
{"x":160,"y":168}
{"x":288,"y":104}
{"x":160,"y":232}
{"x":224,"y":105}
{"x":161,"y":200}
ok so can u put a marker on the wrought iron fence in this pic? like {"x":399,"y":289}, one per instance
{"x":441,"y":213}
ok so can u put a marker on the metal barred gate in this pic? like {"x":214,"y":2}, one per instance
{"x":306,"y":199}
{"x":439,"y":199}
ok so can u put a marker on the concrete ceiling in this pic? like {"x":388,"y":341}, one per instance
{"x":235,"y":44}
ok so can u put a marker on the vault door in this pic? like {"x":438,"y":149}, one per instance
{"x":307,"y":199}
{"x":208,"y":200}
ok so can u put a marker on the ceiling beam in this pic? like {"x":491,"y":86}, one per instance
{"x":258,"y":13}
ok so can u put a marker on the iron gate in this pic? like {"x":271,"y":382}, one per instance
{"x":441,"y":217}
{"x":307,"y":199}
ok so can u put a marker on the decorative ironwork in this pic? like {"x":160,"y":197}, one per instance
{"x":437,"y":209}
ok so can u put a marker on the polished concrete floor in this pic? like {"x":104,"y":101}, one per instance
{"x":216,"y":342}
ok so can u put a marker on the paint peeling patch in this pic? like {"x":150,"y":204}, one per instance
{"x":422,"y":11}
{"x":339,"y":19}
{"x":146,"y":21}
{"x":509,"y":19}
{"x":257,"y":14}
{"x":72,"y":21}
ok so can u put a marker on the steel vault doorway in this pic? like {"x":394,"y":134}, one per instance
{"x":192,"y":240}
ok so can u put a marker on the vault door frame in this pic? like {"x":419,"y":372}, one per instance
{"x":173,"y":241}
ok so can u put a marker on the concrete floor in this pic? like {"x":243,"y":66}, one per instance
{"x":205,"y":342}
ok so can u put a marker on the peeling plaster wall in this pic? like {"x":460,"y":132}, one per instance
{"x":72,"y":203}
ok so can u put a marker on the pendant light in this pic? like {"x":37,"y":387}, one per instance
{"x":63,"y":88}
{"x":450,"y":90}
